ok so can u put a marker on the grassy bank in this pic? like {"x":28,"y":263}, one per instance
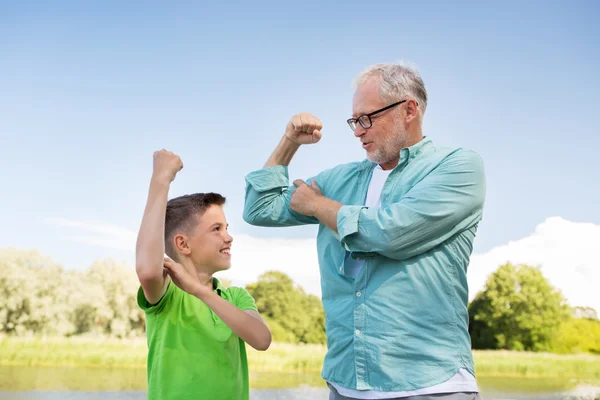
{"x":87,"y":352}
{"x":538,"y":365}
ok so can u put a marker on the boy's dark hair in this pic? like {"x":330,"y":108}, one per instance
{"x":183,"y":213}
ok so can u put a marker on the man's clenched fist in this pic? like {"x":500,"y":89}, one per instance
{"x":304,"y":129}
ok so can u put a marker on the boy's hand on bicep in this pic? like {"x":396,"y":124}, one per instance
{"x":182,"y":277}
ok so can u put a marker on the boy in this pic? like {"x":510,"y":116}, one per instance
{"x":195,"y":327}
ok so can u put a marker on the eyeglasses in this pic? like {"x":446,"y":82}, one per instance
{"x":365,"y":119}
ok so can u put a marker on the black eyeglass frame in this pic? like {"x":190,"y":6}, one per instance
{"x":369,"y":123}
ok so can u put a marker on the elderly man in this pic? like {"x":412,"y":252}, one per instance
{"x":395,"y":236}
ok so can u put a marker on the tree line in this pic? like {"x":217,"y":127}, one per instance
{"x":517,"y":309}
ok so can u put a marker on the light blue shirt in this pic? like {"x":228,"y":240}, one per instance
{"x":401,"y":323}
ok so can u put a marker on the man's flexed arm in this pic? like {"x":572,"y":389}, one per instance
{"x":301,"y":129}
{"x":268,"y":191}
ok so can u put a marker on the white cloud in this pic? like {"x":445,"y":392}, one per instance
{"x":295,"y":257}
{"x":566,"y":251}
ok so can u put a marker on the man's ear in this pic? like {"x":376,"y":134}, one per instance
{"x":412,"y":110}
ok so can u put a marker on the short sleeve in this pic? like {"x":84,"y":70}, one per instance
{"x":242,"y":299}
{"x":156,"y":308}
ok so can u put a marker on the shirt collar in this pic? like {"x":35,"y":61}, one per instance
{"x":409,"y":153}
{"x":217,"y":286}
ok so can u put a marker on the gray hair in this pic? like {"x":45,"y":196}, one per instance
{"x":398,"y":81}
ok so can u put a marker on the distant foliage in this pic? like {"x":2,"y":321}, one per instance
{"x":38,"y":297}
{"x":298,"y":317}
{"x":577,"y":335}
{"x":518,"y":309}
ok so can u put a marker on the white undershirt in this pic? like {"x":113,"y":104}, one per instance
{"x":463,"y":381}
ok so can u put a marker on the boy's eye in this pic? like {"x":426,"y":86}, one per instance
{"x":217,"y":228}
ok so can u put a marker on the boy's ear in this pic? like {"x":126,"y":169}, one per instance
{"x":181,"y":244}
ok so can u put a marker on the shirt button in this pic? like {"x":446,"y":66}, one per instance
{"x":341,"y":269}
{"x":357,"y":332}
{"x":357,"y":294}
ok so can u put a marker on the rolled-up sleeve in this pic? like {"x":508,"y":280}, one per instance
{"x":447,"y":201}
{"x":347,"y":220}
{"x":267,"y":201}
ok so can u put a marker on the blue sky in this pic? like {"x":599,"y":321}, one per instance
{"x":88,"y":90}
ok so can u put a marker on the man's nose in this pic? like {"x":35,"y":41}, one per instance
{"x":359,"y":130}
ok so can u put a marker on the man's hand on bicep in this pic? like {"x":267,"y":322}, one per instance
{"x":304,"y":198}
{"x":310,"y":201}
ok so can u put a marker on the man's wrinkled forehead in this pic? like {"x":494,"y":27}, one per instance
{"x":366,"y":97}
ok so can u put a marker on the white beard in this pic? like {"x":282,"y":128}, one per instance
{"x":389,"y":149}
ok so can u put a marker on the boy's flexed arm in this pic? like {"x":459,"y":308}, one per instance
{"x":247,"y":325}
{"x":150,"y":246}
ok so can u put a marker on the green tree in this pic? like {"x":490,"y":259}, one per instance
{"x":116,"y":287}
{"x":295,"y":315}
{"x":580,"y":334}
{"x":33,"y":296}
{"x":316,"y":329}
{"x":38,"y":297}
{"x":517,"y":310}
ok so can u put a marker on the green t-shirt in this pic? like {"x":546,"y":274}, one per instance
{"x":192,"y":354}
